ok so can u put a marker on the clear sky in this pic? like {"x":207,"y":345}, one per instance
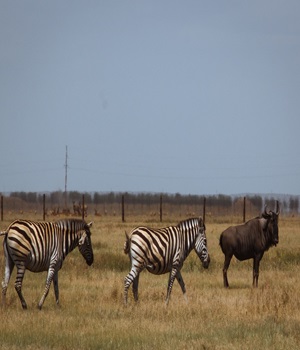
{"x":194,"y":97}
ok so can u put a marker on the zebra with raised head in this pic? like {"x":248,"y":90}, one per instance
{"x":164,"y":250}
{"x":43,"y":246}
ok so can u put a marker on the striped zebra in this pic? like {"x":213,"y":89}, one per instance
{"x":164,"y":250}
{"x":43,"y":246}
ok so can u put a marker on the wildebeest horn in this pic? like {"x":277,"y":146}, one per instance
{"x":267,"y":212}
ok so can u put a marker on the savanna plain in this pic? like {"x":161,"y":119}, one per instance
{"x":91,"y":314}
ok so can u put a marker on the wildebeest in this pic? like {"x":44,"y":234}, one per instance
{"x":250,"y":241}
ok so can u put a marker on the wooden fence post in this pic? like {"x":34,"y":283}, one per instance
{"x":244,"y":210}
{"x":160,"y":208}
{"x":44,"y":206}
{"x":1,"y":208}
{"x":123,"y":208}
{"x":204,"y":209}
{"x":82,"y":210}
{"x":277,"y":208}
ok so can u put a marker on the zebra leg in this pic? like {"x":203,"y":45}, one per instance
{"x":55,"y":285}
{"x":172,"y":276}
{"x":133,"y":274}
{"x":135,"y":287}
{"x":51,"y":273}
{"x":9,"y":265}
{"x":182,"y":285}
{"x":18,"y":284}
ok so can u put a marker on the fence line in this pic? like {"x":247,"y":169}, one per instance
{"x":129,"y":207}
{"x":123,"y":204}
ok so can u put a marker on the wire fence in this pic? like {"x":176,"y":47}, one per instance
{"x":152,"y":207}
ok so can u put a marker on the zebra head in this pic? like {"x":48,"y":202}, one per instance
{"x":201,"y":245}
{"x":85,"y":244}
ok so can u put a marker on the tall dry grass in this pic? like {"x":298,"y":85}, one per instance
{"x":92,"y":315}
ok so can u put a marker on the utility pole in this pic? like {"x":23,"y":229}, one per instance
{"x":66,"y":176}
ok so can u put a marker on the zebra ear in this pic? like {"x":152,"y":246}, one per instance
{"x":82,"y":238}
{"x":90,"y":224}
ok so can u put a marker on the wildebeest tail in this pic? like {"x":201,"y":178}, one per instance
{"x":127,"y":244}
{"x":220,"y":240}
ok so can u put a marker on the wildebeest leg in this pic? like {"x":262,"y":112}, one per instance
{"x":225,"y":268}
{"x":135,"y":288}
{"x":180,"y":281}
{"x":256,"y":261}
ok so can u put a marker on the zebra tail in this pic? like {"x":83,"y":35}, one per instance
{"x":127,"y":244}
{"x":3,"y":233}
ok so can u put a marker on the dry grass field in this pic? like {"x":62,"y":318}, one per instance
{"x":92,"y":315}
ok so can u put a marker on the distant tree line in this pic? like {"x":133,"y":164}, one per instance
{"x":59,"y":198}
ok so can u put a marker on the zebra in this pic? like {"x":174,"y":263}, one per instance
{"x":164,"y":250}
{"x":42,"y":246}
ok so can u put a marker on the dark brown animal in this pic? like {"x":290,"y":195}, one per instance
{"x":250,"y":241}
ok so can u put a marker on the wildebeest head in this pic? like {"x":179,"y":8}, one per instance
{"x":85,"y":245}
{"x":272,"y":224}
{"x":201,"y":245}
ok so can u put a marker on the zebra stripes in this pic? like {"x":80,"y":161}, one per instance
{"x":43,"y":246}
{"x":164,"y":250}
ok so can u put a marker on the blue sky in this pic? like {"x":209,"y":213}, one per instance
{"x":195,"y":97}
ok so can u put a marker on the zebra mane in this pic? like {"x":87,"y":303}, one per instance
{"x":189,"y":223}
